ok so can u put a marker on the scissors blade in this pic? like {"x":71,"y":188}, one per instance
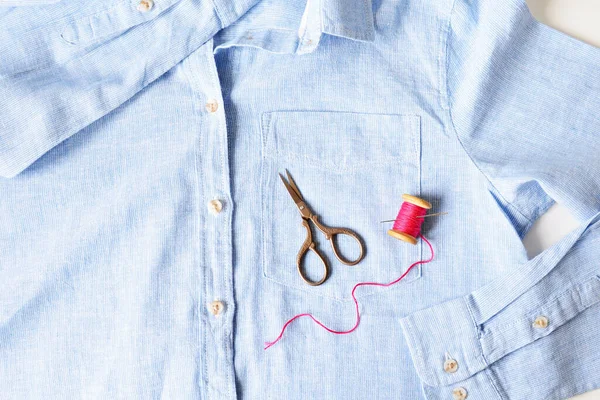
{"x":293,"y":185}
{"x":297,"y":198}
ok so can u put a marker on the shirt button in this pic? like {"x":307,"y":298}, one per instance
{"x":145,"y":5}
{"x":450,"y":365}
{"x":212,"y":105}
{"x":215,"y":206}
{"x":540,"y":322}
{"x":459,"y":393}
{"x":216,"y":307}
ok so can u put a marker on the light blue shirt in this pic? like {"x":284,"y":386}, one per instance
{"x":148,"y":248}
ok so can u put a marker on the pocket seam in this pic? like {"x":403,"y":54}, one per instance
{"x":272,"y":153}
{"x":414,"y":124}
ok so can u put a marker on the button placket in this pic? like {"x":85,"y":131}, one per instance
{"x":216,"y":230}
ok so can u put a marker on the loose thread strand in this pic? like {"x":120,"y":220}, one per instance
{"x":269,"y":344}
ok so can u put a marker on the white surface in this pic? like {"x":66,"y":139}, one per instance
{"x":578,"y":18}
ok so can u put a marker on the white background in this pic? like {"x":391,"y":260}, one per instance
{"x":580,"y":19}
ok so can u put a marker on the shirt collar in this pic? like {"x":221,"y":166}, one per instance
{"x":349,"y":18}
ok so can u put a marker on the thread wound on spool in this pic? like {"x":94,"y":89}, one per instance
{"x":407,"y":225}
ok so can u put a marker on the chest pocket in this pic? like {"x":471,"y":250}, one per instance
{"x":352,"y":170}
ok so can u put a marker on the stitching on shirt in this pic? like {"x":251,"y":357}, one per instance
{"x":443,"y":55}
{"x":593,"y":301}
{"x":188,"y":72}
{"x":166,"y":61}
{"x":450,"y":115}
{"x":221,"y":125}
{"x":202,"y":260}
{"x":548,"y":305}
{"x":416,"y":345}
{"x":414,"y":126}
{"x":102,"y":11}
{"x":254,"y":30}
{"x":265,"y":125}
{"x":204,"y":271}
{"x":219,"y":13}
{"x":493,"y":383}
{"x":271,"y":153}
{"x":477,"y":334}
{"x":196,"y":217}
{"x":87,"y":19}
{"x":319,"y":163}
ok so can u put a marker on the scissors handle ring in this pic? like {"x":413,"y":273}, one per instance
{"x":330,"y":233}
{"x":306,"y":246}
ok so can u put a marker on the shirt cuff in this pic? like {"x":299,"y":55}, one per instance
{"x":455,"y":342}
{"x":483,"y":386}
{"x":446,"y":332}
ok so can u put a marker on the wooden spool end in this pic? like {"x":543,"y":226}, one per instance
{"x":402,"y":236}
{"x":417,"y":201}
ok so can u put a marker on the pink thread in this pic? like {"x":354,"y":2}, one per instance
{"x":409,"y":219}
{"x":269,"y":344}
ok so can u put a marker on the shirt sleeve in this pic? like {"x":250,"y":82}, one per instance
{"x":523,"y":100}
{"x":67,"y":64}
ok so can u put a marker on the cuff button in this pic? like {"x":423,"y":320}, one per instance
{"x":450,"y":365}
{"x":459,"y":393}
{"x":145,"y":5}
{"x":540,"y":322}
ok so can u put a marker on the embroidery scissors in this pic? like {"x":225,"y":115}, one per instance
{"x":329,"y":232}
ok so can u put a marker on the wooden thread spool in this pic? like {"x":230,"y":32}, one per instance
{"x":406,"y":237}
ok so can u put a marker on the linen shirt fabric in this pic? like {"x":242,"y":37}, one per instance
{"x":109,"y":155}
